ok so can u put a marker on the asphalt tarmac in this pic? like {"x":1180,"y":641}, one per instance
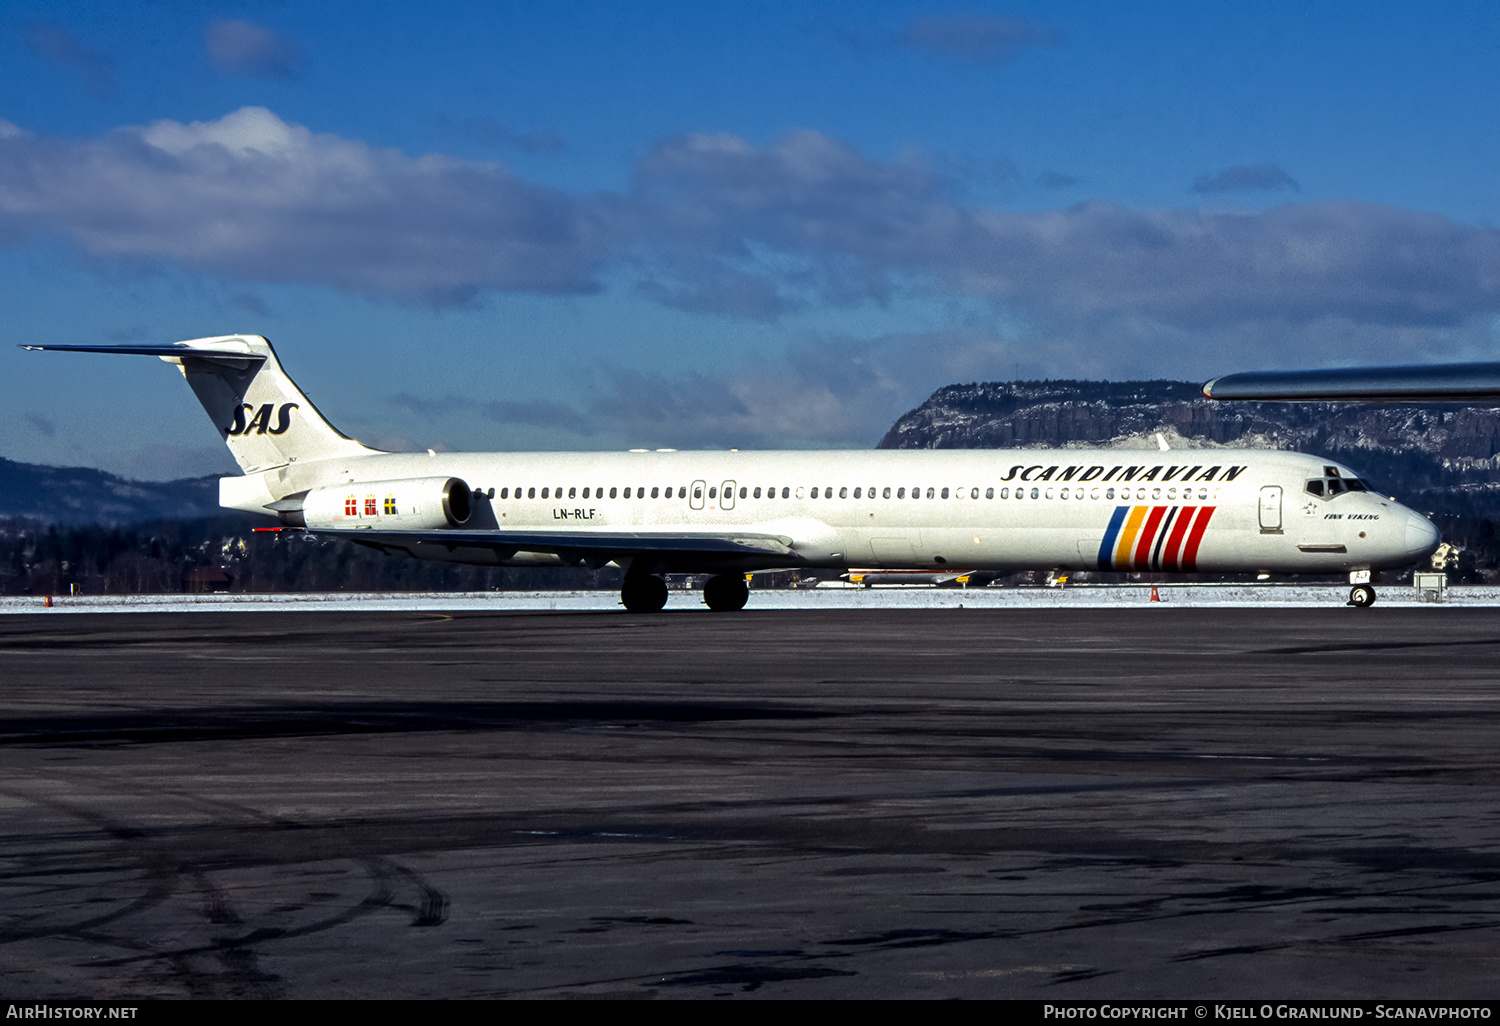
{"x":1132,"y":803}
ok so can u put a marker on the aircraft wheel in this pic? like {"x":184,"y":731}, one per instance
{"x":1361,"y":595}
{"x":725,"y":593}
{"x":644,"y":594}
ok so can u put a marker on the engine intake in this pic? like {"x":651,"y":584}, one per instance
{"x":414,"y":504}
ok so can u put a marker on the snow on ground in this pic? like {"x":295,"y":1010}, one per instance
{"x":1079,"y":596}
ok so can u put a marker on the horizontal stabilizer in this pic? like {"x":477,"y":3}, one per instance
{"x":1432,"y":383}
{"x":176,"y":352}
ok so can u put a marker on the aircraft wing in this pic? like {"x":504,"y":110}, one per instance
{"x":591,"y":545}
{"x":1432,"y":383}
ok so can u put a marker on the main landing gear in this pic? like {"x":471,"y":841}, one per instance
{"x":1361,"y":596}
{"x":644,"y":593}
{"x":647,"y":593}
{"x":726,"y":593}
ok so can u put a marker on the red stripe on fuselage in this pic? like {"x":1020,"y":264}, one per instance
{"x":1174,"y":540}
{"x":1190,"y":551}
{"x":1148,"y":535}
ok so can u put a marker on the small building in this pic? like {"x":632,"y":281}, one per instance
{"x":208,"y":578}
{"x":1430,"y":584}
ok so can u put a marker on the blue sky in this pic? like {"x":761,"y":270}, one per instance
{"x":604,"y":225}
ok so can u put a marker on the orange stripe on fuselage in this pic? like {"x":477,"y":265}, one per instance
{"x":1127,"y":537}
{"x":1148,"y":535}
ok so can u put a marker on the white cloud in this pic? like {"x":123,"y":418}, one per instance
{"x":250,"y":49}
{"x":61,"y":46}
{"x":253,"y":197}
{"x":718,"y":224}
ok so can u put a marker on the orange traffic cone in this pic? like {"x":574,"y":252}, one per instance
{"x":1155,"y":595}
{"x":48,"y":603}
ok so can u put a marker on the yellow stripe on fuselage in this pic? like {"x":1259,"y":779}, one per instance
{"x":1126,"y":547}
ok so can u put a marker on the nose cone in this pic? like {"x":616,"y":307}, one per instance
{"x":1421,"y":536}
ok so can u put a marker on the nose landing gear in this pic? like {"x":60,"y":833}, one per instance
{"x":1361,"y":596}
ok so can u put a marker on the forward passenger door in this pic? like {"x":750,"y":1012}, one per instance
{"x":1270,"y":509}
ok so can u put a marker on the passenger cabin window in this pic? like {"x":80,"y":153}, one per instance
{"x":944,"y":493}
{"x":786,"y":493}
{"x":844,"y":493}
{"x":713,"y":493}
{"x":757,"y":491}
{"x":989,"y":493}
{"x":743,"y":490}
{"x":886,"y":494}
{"x":612,"y":492}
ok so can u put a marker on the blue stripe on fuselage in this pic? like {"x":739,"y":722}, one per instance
{"x":1107,"y":547}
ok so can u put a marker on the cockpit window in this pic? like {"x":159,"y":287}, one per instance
{"x":1334,"y":485}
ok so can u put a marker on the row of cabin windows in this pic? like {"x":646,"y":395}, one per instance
{"x":1171,"y":494}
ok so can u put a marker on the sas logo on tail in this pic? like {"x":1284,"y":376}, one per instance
{"x":1154,"y":538}
{"x":260,"y":424}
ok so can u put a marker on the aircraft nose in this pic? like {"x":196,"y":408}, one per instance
{"x":1421,"y":536}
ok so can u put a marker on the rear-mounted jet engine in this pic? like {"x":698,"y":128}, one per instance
{"x":414,"y":504}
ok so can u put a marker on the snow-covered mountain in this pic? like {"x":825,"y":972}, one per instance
{"x":79,"y":495}
{"x":1438,"y":456}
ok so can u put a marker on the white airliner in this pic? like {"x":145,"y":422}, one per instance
{"x":732,"y":513}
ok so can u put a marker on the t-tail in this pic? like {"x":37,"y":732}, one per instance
{"x":261,"y":414}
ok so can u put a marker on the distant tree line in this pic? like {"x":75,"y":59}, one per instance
{"x":161,"y":557}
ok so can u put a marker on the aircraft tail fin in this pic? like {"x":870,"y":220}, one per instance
{"x":264,"y":418}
